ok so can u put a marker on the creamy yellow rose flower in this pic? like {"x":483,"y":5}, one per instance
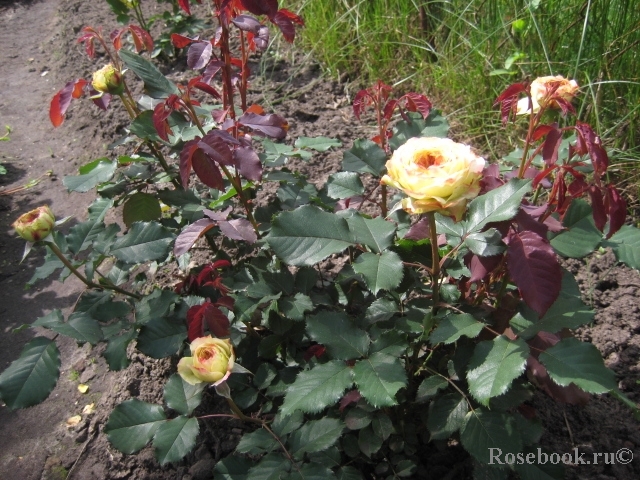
{"x":211,"y":361}
{"x":437,"y":174}
{"x":108,"y":80}
{"x":36,"y":224}
{"x":542,"y":93}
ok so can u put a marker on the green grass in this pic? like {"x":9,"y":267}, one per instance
{"x":462,"y":53}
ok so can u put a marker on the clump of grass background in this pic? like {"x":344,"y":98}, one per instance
{"x":462,"y":53}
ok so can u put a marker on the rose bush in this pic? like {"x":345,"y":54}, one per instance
{"x":212,"y":361}
{"x":35,"y":225}
{"x":548,"y":92}
{"x":437,"y":175}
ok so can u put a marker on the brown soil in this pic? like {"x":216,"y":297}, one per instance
{"x":39,"y":56}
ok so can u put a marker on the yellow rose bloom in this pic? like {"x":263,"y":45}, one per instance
{"x":543,"y":91}
{"x":108,"y":80}
{"x":211,"y":361}
{"x":437,"y":174}
{"x":35,"y":225}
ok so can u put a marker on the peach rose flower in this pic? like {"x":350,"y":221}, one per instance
{"x":211,"y":361}
{"x":545,"y":91}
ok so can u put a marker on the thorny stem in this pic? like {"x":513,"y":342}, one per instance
{"x":435,"y":262}
{"x":383,"y":143}
{"x":54,"y":248}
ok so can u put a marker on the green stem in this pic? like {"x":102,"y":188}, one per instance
{"x":54,"y":248}
{"x":240,"y":415}
{"x":435,"y":262}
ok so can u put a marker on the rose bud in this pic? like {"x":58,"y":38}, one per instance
{"x":36,"y":224}
{"x":212,"y":361}
{"x":436,"y":174}
{"x":108,"y":80}
{"x":545,"y":91}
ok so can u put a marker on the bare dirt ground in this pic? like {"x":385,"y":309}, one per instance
{"x":39,"y":55}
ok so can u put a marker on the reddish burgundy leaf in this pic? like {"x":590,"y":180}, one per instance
{"x":238,"y":229}
{"x":534,"y":268}
{"x":314,"y":351}
{"x":225,"y":301}
{"x":285,"y":25}
{"x":248,"y":163}
{"x":190,"y":235}
{"x":480,"y":267}
{"x":160,"y":114}
{"x":508,"y":99}
{"x":101,"y":101}
{"x":542,"y":176}
{"x":199,"y":55}
{"x":297,"y":19}
{"x":578,"y":186}
{"x":527,"y":222}
{"x":141,"y":38}
{"x":351,"y":397}
{"x":551,"y":145}
{"x":217,"y":321}
{"x":389,"y":107}
{"x":416,"y":102}
{"x":206,"y":170}
{"x":61,"y":100}
{"x":541,"y":131}
{"x":185,"y":160}
{"x":207,"y":89}
{"x":261,"y":7}
{"x":589,"y":142}
{"x":360,"y":102}
{"x":216,"y":149}
{"x":247,"y":23}
{"x":617,"y":210}
{"x":419,"y":230}
{"x":184,"y":5}
{"x":271,"y":125}
{"x":597,"y":205}
{"x":217,"y":216}
{"x":490,"y":178}
{"x":195,"y":322}
{"x":181,"y":41}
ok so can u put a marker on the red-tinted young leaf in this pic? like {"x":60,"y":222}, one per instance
{"x":389,"y":107}
{"x":238,"y":229}
{"x":297,"y":19}
{"x":534,"y":267}
{"x":199,"y":55}
{"x":540,"y":177}
{"x":271,"y":125}
{"x":541,"y":131}
{"x":190,"y":235}
{"x":578,"y":186}
{"x":181,"y":41}
{"x":248,"y":163}
{"x":216,"y":148}
{"x":351,"y":397}
{"x":588,"y":142}
{"x":508,"y":99}
{"x":61,"y":100}
{"x":204,"y":87}
{"x":184,"y":5}
{"x":195,"y":322}
{"x":480,"y":267}
{"x":617,"y":209}
{"x":225,"y":301}
{"x":490,"y":178}
{"x":565,"y":106}
{"x":160,"y":114}
{"x":185,"y":160}
{"x":261,"y":7}
{"x":88,"y":37}
{"x":206,"y":170}
{"x":316,"y":350}
{"x":360,"y":102}
{"x":101,"y":101}
{"x":285,"y":25}
{"x":217,"y":321}
{"x":418,"y":231}
{"x":415,"y":102}
{"x":597,"y":205}
{"x":527,"y":222}
{"x":551,"y":145}
{"x":247,"y":23}
{"x":141,"y":38}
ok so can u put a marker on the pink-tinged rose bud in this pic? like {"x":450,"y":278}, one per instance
{"x":546,"y":91}
{"x":437,"y":174}
{"x":211,"y":361}
{"x":108,"y":80}
{"x":36,"y":224}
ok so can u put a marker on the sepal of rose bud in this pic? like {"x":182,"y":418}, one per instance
{"x":108,"y":80}
{"x":35,"y":225}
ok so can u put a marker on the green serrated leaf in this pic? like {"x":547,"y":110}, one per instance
{"x":295,"y":308}
{"x":143,"y":127}
{"x":315,"y":389}
{"x":132,"y":425}
{"x":273,"y":466}
{"x":32,"y":376}
{"x":312,"y":471}
{"x":435,"y":125}
{"x":368,"y":442}
{"x":485,"y":244}
{"x":376,"y":233}
{"x":357,"y":418}
{"x":626,"y":246}
{"x":141,"y":207}
{"x":365,"y":157}
{"x":156,"y":84}
{"x":161,"y":337}
{"x":232,"y":468}
{"x":116,"y":352}
{"x":392,"y":343}
{"x":430,"y":387}
{"x":101,"y":172}
{"x":381,"y":272}
{"x":344,"y":341}
{"x":285,"y":424}
{"x":175,"y":438}
{"x":454,"y":326}
{"x":321,"y":144}
{"x":155,"y":305}
{"x":308,"y":235}
{"x":257,"y":442}
{"x":379,"y":378}
{"x":315,"y":436}
{"x":80,"y":326}
{"x":344,"y":185}
{"x":446,"y":415}
{"x":494,"y":365}
{"x":484,"y":431}
{"x":144,"y":242}
{"x":348,"y":473}
{"x":82,"y":235}
{"x":582,"y":236}
{"x":572,"y":361}
{"x":497,"y":205}
{"x":182,"y":396}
